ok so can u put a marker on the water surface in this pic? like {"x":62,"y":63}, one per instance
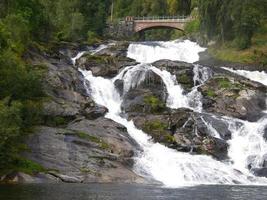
{"x":129,"y":192}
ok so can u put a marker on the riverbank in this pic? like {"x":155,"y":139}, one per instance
{"x":254,"y":57}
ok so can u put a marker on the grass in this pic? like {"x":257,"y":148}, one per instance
{"x":158,"y":131}
{"x":224,"y":83}
{"x":21,"y":164}
{"x":94,"y":139}
{"x":55,"y":121}
{"x":256,"y":54}
{"x":100,"y":59}
{"x":155,"y":103}
{"x":211,"y":93}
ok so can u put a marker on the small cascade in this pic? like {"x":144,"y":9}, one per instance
{"x":248,"y":148}
{"x":201,"y":75}
{"x":94,"y":51}
{"x":257,"y":76}
{"x":172,"y":168}
{"x":133,"y":76}
{"x":78,"y":56}
{"x":213,"y":132}
{"x":176,"y":99}
{"x":149,"y":52}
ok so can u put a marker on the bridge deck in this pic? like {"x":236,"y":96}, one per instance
{"x":159,"y":19}
{"x":163,"y":20}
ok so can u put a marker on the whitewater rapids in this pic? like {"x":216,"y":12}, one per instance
{"x":172,"y":168}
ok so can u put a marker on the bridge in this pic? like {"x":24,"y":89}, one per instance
{"x":131,"y":25}
{"x":143,"y":23}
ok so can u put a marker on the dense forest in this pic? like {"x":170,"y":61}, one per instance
{"x":24,"y":23}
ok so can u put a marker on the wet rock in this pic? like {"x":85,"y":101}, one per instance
{"x":117,"y":49}
{"x":239,"y":98}
{"x":119,"y":86}
{"x":19,"y":177}
{"x":104,"y":65}
{"x":265,"y":134}
{"x":262,"y":172}
{"x":182,"y":130}
{"x":220,"y":126}
{"x":92,"y":111}
{"x":148,"y":95}
{"x":182,"y":70}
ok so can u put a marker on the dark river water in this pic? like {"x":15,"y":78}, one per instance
{"x":128,"y":192}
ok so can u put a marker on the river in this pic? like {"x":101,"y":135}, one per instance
{"x":129,"y":192}
{"x":181,"y":175}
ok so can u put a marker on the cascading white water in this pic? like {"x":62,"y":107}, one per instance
{"x":166,"y":165}
{"x":149,"y":52}
{"x":201,"y":75}
{"x":257,"y":76}
{"x":94,"y":51}
{"x":248,"y":146}
{"x":172,"y":168}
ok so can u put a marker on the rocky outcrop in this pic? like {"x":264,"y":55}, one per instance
{"x":115,"y":49}
{"x":183,"y":71}
{"x":148,"y":96}
{"x":105,"y":66}
{"x":76,"y":143}
{"x":85,"y":151}
{"x":182,"y":130}
{"x":107,"y":62}
{"x":234,"y":97}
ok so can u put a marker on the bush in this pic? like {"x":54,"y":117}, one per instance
{"x":192,"y":27}
{"x":155,"y":104}
{"x":242,"y":42}
{"x":92,"y":38}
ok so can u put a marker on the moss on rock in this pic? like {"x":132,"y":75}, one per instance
{"x":154,"y":103}
{"x":159,"y":131}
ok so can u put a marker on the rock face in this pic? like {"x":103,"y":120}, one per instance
{"x":85,"y":151}
{"x":76,"y":143}
{"x":233,"y":97}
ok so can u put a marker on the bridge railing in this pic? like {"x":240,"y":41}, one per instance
{"x":161,"y":18}
{"x":156,"y":18}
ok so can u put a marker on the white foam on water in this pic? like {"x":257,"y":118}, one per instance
{"x":173,"y":168}
{"x":257,"y":76}
{"x":149,"y":52}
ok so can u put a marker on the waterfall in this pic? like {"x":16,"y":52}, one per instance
{"x":173,"y":168}
{"x":149,"y":52}
{"x":247,"y":146}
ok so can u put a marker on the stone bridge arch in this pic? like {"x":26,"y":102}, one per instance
{"x":142,"y":26}
{"x":129,"y":25}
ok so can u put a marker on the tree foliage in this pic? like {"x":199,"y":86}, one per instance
{"x":234,"y":20}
